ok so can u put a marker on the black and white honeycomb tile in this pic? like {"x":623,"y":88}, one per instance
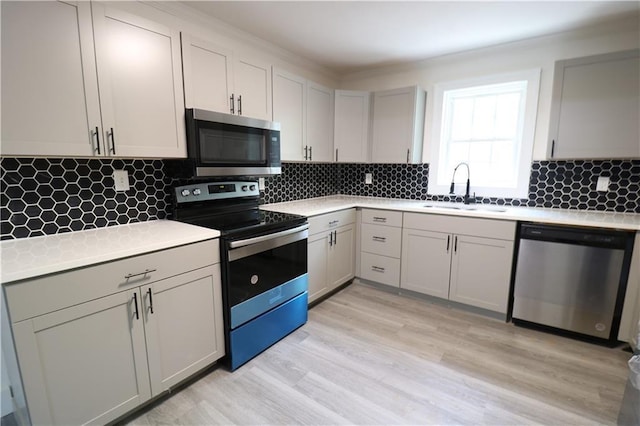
{"x":301,"y":180}
{"x":572,"y":185}
{"x":408,"y":181}
{"x":49,"y":196}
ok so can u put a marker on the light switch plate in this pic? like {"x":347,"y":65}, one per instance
{"x":368,"y":178}
{"x":121,"y":179}
{"x":603,"y":184}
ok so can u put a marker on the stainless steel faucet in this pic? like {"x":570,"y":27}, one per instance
{"x":467,"y":198}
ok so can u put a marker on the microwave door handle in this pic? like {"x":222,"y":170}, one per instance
{"x":231,"y":104}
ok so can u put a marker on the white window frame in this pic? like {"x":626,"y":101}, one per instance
{"x":525,"y":151}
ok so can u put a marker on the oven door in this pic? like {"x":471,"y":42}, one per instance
{"x":265,"y":272}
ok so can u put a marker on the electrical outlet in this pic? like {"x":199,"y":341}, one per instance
{"x":261,"y":184}
{"x":603,"y":184}
{"x":121,"y":179}
{"x":368,"y":178}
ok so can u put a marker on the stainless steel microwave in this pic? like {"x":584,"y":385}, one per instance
{"x":228,"y":145}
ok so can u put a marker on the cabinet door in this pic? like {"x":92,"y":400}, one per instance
{"x":342,"y":256}
{"x":252,"y":88}
{"x":320,"y":122}
{"x":351,"y":131}
{"x":208,"y":75}
{"x":289,"y":103}
{"x":398,"y":126}
{"x":86,"y":363}
{"x":595,"y":107}
{"x":426,"y":259}
{"x":49,"y":86}
{"x":480,"y":272}
{"x":317,"y":255}
{"x":140,"y":80}
{"x":183,"y":323}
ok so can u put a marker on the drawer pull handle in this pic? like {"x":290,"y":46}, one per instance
{"x":135,"y":304}
{"x":379,"y":219}
{"x":379,"y":239}
{"x":146,"y":271}
{"x":150,"y":300}
{"x":377,"y":269}
{"x":333,"y":222}
{"x":448,"y":241}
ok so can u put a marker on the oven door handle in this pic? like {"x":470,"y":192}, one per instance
{"x":255,"y":240}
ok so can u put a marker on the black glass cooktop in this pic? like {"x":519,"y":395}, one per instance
{"x":253,"y":221}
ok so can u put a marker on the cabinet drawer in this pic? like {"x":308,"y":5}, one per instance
{"x":488,"y":228}
{"x":383,"y":240}
{"x":39,"y":296}
{"x":329,"y":221}
{"x":382,"y":217}
{"x":382,"y":269}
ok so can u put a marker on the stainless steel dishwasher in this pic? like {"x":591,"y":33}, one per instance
{"x":571,"y":279}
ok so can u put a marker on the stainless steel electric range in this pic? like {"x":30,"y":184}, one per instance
{"x":263,"y":262}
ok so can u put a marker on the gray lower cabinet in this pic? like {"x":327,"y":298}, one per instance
{"x":461,"y":259}
{"x":99,"y":341}
{"x":380,"y":245}
{"x":331,"y":251}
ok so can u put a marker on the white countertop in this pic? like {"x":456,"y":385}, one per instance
{"x":31,"y":257}
{"x":322,"y":205}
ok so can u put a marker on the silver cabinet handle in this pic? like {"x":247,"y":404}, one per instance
{"x":333,"y":222}
{"x":310,"y":153}
{"x":408,"y":152}
{"x":448,"y":241}
{"x":146,"y":271}
{"x":455,"y":244}
{"x":379,"y":239}
{"x":553,"y":147}
{"x":330,"y":239}
{"x":379,"y":219}
{"x":305,"y":152}
{"x":232,"y":107}
{"x":336,"y":155}
{"x":335,"y":237}
{"x":377,"y":269}
{"x":239,"y":104}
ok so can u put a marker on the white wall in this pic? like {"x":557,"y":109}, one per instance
{"x":533,"y":53}
{"x":241,"y":43}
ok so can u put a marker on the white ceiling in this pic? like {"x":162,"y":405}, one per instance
{"x":348,"y":36}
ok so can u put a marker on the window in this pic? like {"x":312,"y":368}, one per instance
{"x":487,"y":123}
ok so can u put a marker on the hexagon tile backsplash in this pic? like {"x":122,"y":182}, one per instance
{"x":48,"y":196}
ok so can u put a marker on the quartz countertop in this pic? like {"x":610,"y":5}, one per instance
{"x":32,"y":257}
{"x":317,"y":206}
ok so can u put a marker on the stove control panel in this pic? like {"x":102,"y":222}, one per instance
{"x":216,"y":191}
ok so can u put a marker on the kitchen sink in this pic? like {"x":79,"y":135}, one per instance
{"x":464,"y":207}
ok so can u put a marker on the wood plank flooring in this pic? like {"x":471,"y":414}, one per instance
{"x":370,"y":357}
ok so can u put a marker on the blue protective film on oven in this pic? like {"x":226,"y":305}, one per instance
{"x":263,"y":302}
{"x":249,"y":340}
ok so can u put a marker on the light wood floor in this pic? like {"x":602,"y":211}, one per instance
{"x":370,"y":357}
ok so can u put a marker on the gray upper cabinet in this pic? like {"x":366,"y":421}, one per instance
{"x":596,"y":107}
{"x":398,"y":125}
{"x":58,"y":56}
